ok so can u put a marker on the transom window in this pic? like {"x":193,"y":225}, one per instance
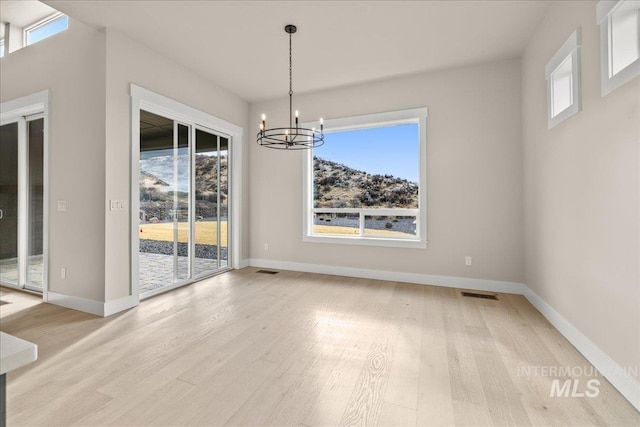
{"x":619,"y":42}
{"x":563,"y":81}
{"x":366,"y":184}
{"x":46,"y":28}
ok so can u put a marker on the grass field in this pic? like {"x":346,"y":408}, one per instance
{"x":334,"y":229}
{"x":206,"y":232}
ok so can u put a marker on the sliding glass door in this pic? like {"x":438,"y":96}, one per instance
{"x":211,"y":201}
{"x":183,"y":203}
{"x":9,"y":204}
{"x":223,"y":202}
{"x":22,"y":203}
{"x":34,"y":246}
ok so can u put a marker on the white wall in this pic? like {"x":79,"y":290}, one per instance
{"x":581,"y":185}
{"x":474,"y":174}
{"x":130,"y":62}
{"x":13,"y":37}
{"x":72,"y":65}
{"x":88,"y":73}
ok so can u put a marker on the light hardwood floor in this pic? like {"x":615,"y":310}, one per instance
{"x":246,"y":348}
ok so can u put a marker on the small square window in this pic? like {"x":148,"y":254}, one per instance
{"x":619,"y":42}
{"x":563,"y":81}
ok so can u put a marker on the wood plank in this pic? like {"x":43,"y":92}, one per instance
{"x":469,"y":400}
{"x":435,"y":401}
{"x":396,"y":416}
{"x":366,"y":400}
{"x":503,"y":398}
{"x":404,"y":376}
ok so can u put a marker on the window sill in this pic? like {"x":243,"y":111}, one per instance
{"x":367,"y":241}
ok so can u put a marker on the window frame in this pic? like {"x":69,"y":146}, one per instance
{"x":605,"y":9}
{"x":571,"y":48}
{"x":39,"y":24}
{"x":414,"y":115}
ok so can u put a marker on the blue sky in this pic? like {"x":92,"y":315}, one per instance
{"x":392,"y":150}
{"x":50,"y":29}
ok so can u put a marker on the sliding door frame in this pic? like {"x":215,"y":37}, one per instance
{"x":144,"y":99}
{"x":25,"y":209}
{"x":22,"y":111}
{"x":219,"y":135}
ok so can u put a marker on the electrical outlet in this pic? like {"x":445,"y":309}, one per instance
{"x":266,"y":246}
{"x":63,"y":273}
{"x":467,"y":260}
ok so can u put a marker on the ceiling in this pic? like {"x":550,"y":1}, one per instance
{"x":23,"y":13}
{"x":241,"y":45}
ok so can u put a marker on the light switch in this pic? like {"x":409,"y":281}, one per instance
{"x":118,"y":205}
{"x":62,"y":205}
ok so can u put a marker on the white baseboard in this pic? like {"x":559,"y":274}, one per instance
{"x":422,"y":279}
{"x":620,"y":378}
{"x":116,"y":306}
{"x":627,"y":385}
{"x":76,"y":303}
{"x":98,"y":308}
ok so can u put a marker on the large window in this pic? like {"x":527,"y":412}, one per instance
{"x":563,"y":81}
{"x":367,"y":183}
{"x":45,"y":28}
{"x":619,"y":42}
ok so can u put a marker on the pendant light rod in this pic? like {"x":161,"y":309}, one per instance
{"x":290,"y":29}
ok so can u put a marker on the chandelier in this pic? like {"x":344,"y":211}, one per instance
{"x":293,"y":137}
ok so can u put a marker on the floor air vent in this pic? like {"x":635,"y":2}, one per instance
{"x":267,"y":272}
{"x":483,"y":296}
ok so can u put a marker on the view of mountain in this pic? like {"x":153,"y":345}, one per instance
{"x":336,"y":185}
{"x":156,"y":175}
{"x":161,"y":166}
{"x":148,"y":180}
{"x":339,"y":186}
{"x":156,"y":187}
